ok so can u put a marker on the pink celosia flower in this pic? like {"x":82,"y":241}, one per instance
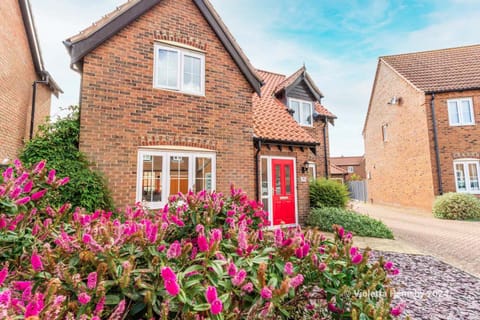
{"x":395,"y":272}
{"x":3,"y":274}
{"x":388,"y":265}
{"x":168,"y":274}
{"x":353,"y":251}
{"x":199,"y":228}
{"x":63,"y":181}
{"x":38,"y":195}
{"x":216,"y":235}
{"x":232,"y":269}
{"x":239,"y":278}
{"x":296,"y":281}
{"x":22,"y":285}
{"x":100,"y":305}
{"x":357,"y":259}
{"x":51,"y":176}
{"x":333,"y":308}
{"x":397,"y":310}
{"x":36,"y":261}
{"x":172,"y":287}
{"x":211,"y":294}
{"x":216,"y":307}
{"x":248,"y":287}
{"x":202,"y":243}
{"x":266,"y":293}
{"x":33,"y":309}
{"x":260,"y":234}
{"x":39,"y":167}
{"x":160,"y":248}
{"x":15,"y":192}
{"x":278,"y":237}
{"x":22,"y":178}
{"x":118,"y":313}
{"x":92,"y":280}
{"x":340,"y":232}
{"x":22,"y":201}
{"x":174,"y":251}
{"x":87,"y":238}
{"x":322,"y":266}
{"x":6,"y":297}
{"x":7,"y":174}
{"x":28,"y":187}
{"x":84,"y":298}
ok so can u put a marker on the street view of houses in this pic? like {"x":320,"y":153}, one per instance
{"x":201,"y":169}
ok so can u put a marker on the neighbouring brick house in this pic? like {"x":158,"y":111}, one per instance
{"x":169,"y":103}
{"x":421,"y":132}
{"x":351,"y":165}
{"x":21,"y":69}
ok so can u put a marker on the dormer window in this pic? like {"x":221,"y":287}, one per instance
{"x":179,"y":69}
{"x":303,"y":111}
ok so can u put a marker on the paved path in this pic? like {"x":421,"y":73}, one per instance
{"x":454,"y":242}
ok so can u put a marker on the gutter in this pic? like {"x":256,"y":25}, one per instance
{"x":34,"y":98}
{"x":435,"y":143}
{"x":325,"y":151}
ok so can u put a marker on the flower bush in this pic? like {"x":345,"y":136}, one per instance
{"x":203,"y":256}
{"x":456,"y":206}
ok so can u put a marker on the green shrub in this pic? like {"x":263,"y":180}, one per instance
{"x":328,"y":193}
{"x":57,"y":143}
{"x":457,"y":206}
{"x":358,"y":224}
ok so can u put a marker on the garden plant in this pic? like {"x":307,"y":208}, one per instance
{"x":203,"y":256}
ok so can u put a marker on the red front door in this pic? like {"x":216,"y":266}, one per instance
{"x":283,"y":191}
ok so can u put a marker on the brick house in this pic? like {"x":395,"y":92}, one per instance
{"x":350,"y":165}
{"x":22,"y":76}
{"x":169,"y":103}
{"x":421,"y":132}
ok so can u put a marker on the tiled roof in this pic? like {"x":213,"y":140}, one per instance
{"x":337,"y":170}
{"x":289,"y":80}
{"x":272,"y":121}
{"x":346,"y":161}
{"x":440,"y":70}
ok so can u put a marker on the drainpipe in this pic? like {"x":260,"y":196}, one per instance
{"x":258,"y":146}
{"x":34,"y":98}
{"x":435,"y":143}
{"x":325,"y":149}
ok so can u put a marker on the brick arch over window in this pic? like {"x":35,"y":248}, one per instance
{"x":164,"y":140}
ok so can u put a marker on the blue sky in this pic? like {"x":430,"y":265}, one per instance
{"x":339,"y":42}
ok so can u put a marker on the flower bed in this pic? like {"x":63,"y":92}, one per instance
{"x":203,"y":256}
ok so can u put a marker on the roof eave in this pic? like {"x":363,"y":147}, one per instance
{"x":451,"y":90}
{"x":287,"y":142}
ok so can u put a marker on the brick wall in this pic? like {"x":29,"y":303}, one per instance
{"x":455,"y":142}
{"x":120,"y":109}
{"x":17,"y":74}
{"x":400,"y":168}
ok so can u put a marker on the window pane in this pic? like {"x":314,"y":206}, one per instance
{"x":152,"y":178}
{"x":295,"y":106}
{"x":306,"y":114}
{"x":288,"y":189}
{"x":312,"y":174}
{"x":460,"y":176}
{"x":453,"y":112}
{"x":264,"y":177}
{"x":203,"y":174}
{"x":178,"y":175}
{"x":466,"y":115}
{"x":473,"y":175}
{"x":278,"y":188}
{"x":192,"y":73}
{"x":167,"y":68}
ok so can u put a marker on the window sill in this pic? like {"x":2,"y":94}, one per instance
{"x":463,"y":125}
{"x":188,"y":93}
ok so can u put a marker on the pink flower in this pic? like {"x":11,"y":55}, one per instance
{"x":36,"y":262}
{"x":357,"y":259}
{"x":39,"y":167}
{"x":388,"y":265}
{"x":92,"y":280}
{"x":397,"y":310}
{"x":6,"y":297}
{"x":22,"y":285}
{"x":340,"y":231}
{"x":216,"y":235}
{"x":395,"y":272}
{"x":38,"y":195}
{"x":232,"y":269}
{"x":202,"y":243}
{"x":172,"y":287}
{"x":51,"y":176}
{"x":100,"y":305}
{"x":288,"y":269}
{"x":239,"y":278}
{"x":15,"y":192}
{"x":174,"y":251}
{"x":168,"y":274}
{"x":84,"y":298}
{"x":266,"y":293}
{"x":33,"y":309}
{"x":22,"y":201}
{"x":118,"y":312}
{"x":322,"y":266}
{"x":199,"y":228}
{"x":63,"y":181}
{"x":353,"y":251}
{"x":7,"y":174}
{"x":28,"y":187}
{"x":278,"y":237}
{"x":216,"y":307}
{"x":3,"y":275}
{"x":248,"y":287}
{"x":296,"y":281}
{"x":211,"y":294}
{"x":87,"y":238}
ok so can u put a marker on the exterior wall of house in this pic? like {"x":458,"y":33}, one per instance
{"x":17,"y":74}
{"x":358,"y":169}
{"x":455,"y":142}
{"x":121,"y":111}
{"x":400,"y":168}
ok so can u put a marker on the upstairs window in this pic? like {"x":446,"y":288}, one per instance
{"x":460,"y":112}
{"x":303,"y":111}
{"x":466,"y":176}
{"x":350,"y":169}
{"x":179,"y":69}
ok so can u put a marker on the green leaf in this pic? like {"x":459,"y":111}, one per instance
{"x":202,"y":307}
{"x":182,"y":296}
{"x":111,"y":299}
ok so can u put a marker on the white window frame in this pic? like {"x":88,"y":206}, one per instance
{"x":461,"y":121}
{"x":300,"y":112}
{"x":350,"y":169}
{"x":313,"y":166}
{"x":384,"y":132}
{"x":465,"y":163}
{"x":166,"y":154}
{"x":181,"y":64}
